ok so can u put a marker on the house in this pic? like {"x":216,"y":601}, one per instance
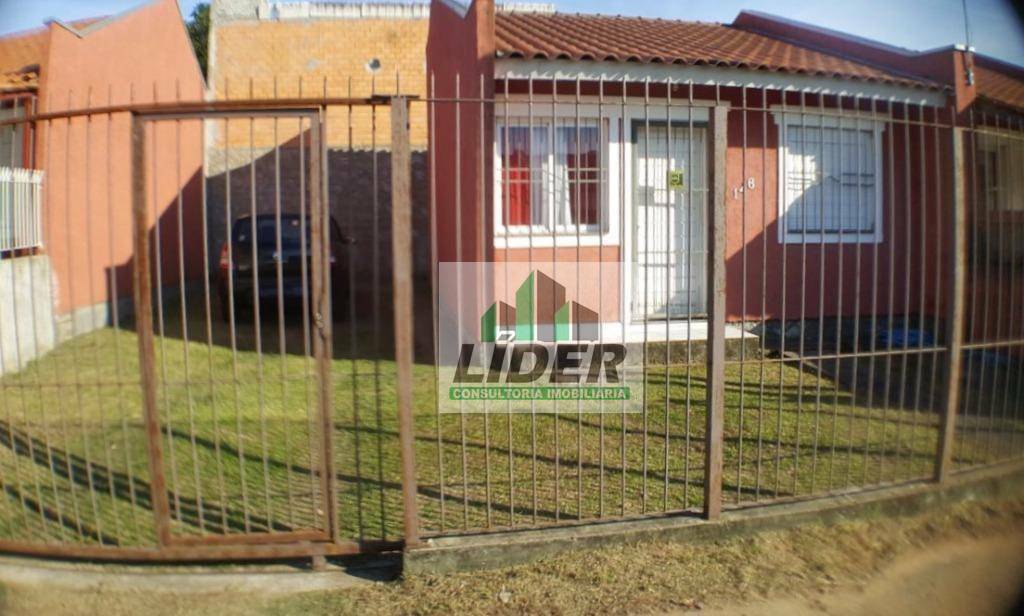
{"x":66,"y":224}
{"x":835,"y":162}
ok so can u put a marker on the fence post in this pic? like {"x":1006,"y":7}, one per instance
{"x":715,"y":355}
{"x":955,"y":309}
{"x":144,"y":331}
{"x":401,"y":256}
{"x":323,"y":350}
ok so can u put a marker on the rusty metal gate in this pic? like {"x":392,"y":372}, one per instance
{"x":255,"y":310}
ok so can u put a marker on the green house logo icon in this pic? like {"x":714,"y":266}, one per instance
{"x":541,"y":314}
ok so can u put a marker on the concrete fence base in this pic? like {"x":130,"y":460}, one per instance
{"x":26,"y":311}
{"x":469,"y":552}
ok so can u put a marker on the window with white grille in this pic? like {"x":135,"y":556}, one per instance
{"x":551,"y":175}
{"x":830,"y":179}
{"x":1000,"y":171}
{"x":20,"y":209}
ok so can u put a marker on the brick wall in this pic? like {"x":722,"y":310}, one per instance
{"x":265,"y":58}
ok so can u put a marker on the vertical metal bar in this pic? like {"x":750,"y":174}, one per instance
{"x":158,"y":269}
{"x":353,"y":347}
{"x":50,"y":300}
{"x":506,"y":190}
{"x":144,"y":332}
{"x":907,"y":257}
{"x":434,"y":265}
{"x":877,"y":150}
{"x":184,"y":332}
{"x":401,"y":248}
{"x":764,"y":287}
{"x":229,"y":243}
{"x":95,"y":327}
{"x":840,"y":240}
{"x":648,"y":236}
{"x":257,"y":322}
{"x":323,"y":340}
{"x":668,"y":285}
{"x":602,"y":203}
{"x":75,"y":381}
{"x":977,"y":202}
{"x":892,"y":288}
{"x":716,"y":321}
{"x":821,"y":289}
{"x":922,"y":268}
{"x":578,"y":223}
{"x":116,"y":321}
{"x":623,"y":129}
{"x":458,"y":291}
{"x":689,"y":280}
{"x":803,"y":286}
{"x":533,"y":408}
{"x":305,"y":251}
{"x":281,"y":340}
{"x":743,"y":292}
{"x":992,"y":215}
{"x":552,"y":221}
{"x":375,"y":278}
{"x":955,"y":313}
{"x":1003,"y":443}
{"x":481,"y":251}
{"x":856,"y":280}
{"x":208,"y":316}
{"x":1013,"y":293}
{"x":940,"y":215}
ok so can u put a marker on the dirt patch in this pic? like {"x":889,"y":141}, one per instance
{"x":959,"y":558}
{"x":983,"y":577}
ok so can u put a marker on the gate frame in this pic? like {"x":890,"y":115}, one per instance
{"x":314,"y":543}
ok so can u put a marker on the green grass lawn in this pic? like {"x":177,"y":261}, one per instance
{"x":242,"y":443}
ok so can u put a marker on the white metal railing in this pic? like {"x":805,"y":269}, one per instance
{"x":21,"y":208}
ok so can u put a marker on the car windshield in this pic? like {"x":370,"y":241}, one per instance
{"x":266,"y":232}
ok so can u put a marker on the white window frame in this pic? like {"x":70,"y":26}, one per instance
{"x":813,"y":118}
{"x":540,"y":236}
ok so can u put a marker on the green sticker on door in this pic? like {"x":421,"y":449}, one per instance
{"x":675,"y":179}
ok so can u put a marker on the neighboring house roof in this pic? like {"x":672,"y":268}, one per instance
{"x":999,"y":86}
{"x":22,"y":53}
{"x":634,"y":39}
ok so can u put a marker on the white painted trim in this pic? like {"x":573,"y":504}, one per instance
{"x":808,"y":117}
{"x":612,"y":72}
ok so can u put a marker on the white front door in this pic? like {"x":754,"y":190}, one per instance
{"x":670,"y":214}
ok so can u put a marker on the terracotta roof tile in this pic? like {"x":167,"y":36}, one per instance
{"x":999,"y":86}
{"x":634,"y":39}
{"x":24,"y":51}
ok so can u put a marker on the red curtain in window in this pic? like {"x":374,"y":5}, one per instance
{"x":516,"y":189}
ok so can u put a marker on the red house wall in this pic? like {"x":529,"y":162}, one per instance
{"x":142,"y":56}
{"x":460,"y":64}
{"x":914,"y":203}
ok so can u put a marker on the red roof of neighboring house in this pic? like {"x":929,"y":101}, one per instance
{"x":554,"y":36}
{"x":21,"y":54}
{"x":999,"y":86}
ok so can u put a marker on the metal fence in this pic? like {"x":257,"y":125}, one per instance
{"x":225,"y":348}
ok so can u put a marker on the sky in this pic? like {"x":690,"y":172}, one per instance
{"x":995,"y":28}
